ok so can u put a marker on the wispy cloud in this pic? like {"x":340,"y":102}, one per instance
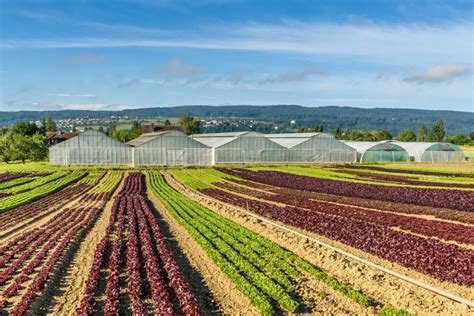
{"x":291,"y":76}
{"x":177,"y":67}
{"x":85,"y":59}
{"x":68,"y":95}
{"x":438,"y":73}
{"x":76,"y":106}
{"x":386,"y":43}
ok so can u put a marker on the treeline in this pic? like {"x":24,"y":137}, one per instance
{"x":434,"y":133}
{"x":25,"y":141}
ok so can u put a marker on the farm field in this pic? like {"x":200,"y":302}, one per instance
{"x":376,"y":239}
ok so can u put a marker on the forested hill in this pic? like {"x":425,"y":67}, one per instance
{"x":393,"y":120}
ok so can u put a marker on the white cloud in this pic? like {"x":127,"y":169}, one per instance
{"x":67,"y":95}
{"x":438,"y":73}
{"x":177,"y":67}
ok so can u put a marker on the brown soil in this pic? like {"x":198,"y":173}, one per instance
{"x":385,"y":288}
{"x":72,"y":287}
{"x":228,"y":299}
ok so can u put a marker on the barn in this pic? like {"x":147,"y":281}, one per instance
{"x":313,"y":147}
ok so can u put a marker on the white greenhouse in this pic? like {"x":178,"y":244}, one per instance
{"x":432,"y":152}
{"x":241,"y":147}
{"x":170,"y":148}
{"x":313,"y":147}
{"x":90,"y":148}
{"x":384,"y":151}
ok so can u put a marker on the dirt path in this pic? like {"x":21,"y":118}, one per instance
{"x":385,"y":288}
{"x":73,"y":286}
{"x":228,"y":299}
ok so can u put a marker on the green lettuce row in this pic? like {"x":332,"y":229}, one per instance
{"x":34,"y":194}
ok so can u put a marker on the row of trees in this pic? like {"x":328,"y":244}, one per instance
{"x":25,"y":141}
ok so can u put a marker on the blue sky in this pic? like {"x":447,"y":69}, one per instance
{"x":128,"y":54}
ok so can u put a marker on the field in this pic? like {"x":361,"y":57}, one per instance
{"x":394,"y":239}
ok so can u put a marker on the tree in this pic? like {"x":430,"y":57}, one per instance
{"x":437,"y":132}
{"x":381,"y":135}
{"x":406,"y":136}
{"x":190,"y":124}
{"x":167,"y":122}
{"x":471,"y":135}
{"x":136,"y":130}
{"x":459,"y":139}
{"x":338,"y":133}
{"x":422,"y":134}
{"x":50,"y":125}
{"x":25,"y":128}
{"x":319,"y":128}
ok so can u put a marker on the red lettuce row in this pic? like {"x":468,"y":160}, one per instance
{"x":443,"y":261}
{"x":458,"y":200}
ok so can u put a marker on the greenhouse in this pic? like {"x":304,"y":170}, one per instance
{"x":241,"y":147}
{"x":384,"y":151}
{"x":432,"y":152}
{"x":170,"y":148}
{"x":90,"y":148}
{"x":313,"y":147}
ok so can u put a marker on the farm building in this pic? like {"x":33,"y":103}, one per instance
{"x":432,"y":152}
{"x":169,"y":148}
{"x":385,"y":151}
{"x":313,"y":147}
{"x":90,"y":148}
{"x":241,"y":147}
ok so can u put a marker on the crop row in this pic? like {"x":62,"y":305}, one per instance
{"x":443,"y":261}
{"x":19,"y":199}
{"x":10,"y":176}
{"x":458,"y":200}
{"x":133,"y":242}
{"x":47,"y":244}
{"x":431,"y":228}
{"x":37,"y":182}
{"x":57,"y":200}
{"x":15,"y":182}
{"x":412,"y":171}
{"x":404,"y":179}
{"x":42,"y":248}
{"x":266,"y":273}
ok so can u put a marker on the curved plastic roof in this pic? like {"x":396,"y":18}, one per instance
{"x":148,"y":137}
{"x":385,"y":145}
{"x":91,"y":138}
{"x":417,"y":149}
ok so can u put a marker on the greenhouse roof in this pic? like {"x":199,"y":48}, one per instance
{"x":290,"y":140}
{"x":219,"y":139}
{"x":362,"y":146}
{"x":148,"y":137}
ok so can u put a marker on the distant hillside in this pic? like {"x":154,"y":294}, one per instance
{"x":393,"y":120}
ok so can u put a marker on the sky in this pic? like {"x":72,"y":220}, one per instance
{"x":112,"y":55}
